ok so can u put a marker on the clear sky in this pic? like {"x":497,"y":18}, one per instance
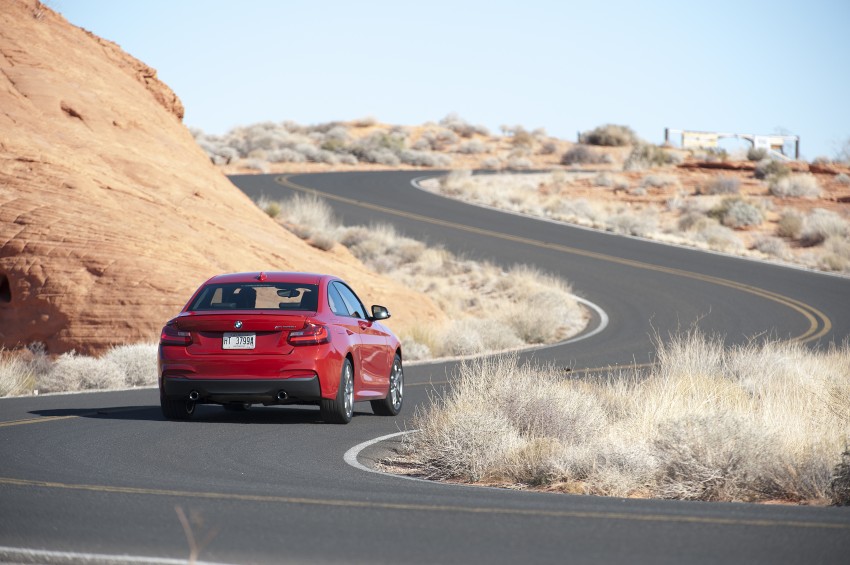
{"x":740,"y":66}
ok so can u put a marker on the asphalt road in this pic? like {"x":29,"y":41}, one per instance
{"x":104,"y":474}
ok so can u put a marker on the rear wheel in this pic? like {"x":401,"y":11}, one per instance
{"x":339,"y":410}
{"x":391,"y":405}
{"x":179,"y":408}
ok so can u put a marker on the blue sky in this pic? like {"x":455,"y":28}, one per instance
{"x":740,"y":66}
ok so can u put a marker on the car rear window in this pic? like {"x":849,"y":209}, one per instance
{"x":257,"y":296}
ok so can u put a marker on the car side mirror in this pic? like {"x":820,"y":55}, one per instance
{"x":379,"y":313}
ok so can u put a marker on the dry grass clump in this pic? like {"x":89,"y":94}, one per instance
{"x":737,"y":213}
{"x":762,"y":421}
{"x":307,"y":216}
{"x":821,"y":225}
{"x":768,"y":169}
{"x":790,"y":224}
{"x":795,"y":186}
{"x":772,"y":246}
{"x":20,"y":370}
{"x":583,"y":155}
{"x":611,"y":135}
{"x":722,"y":185}
{"x":646,"y":156}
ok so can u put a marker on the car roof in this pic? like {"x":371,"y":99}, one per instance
{"x":268,"y":276}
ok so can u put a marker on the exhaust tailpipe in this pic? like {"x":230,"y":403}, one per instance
{"x":194,"y":395}
{"x":282,"y":395}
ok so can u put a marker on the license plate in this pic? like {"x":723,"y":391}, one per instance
{"x":232,"y":340}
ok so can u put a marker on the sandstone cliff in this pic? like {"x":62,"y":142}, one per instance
{"x":110,"y":214}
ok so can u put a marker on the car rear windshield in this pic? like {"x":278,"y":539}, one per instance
{"x":257,"y":296}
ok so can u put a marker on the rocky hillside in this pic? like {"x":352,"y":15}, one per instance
{"x":110,"y":213}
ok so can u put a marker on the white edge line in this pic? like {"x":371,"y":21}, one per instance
{"x":415,"y":182}
{"x":351,"y":455}
{"x":26,"y":553}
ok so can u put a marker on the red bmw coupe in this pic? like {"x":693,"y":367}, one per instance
{"x":279,"y":338}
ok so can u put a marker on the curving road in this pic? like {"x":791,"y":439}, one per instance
{"x":98,"y":476}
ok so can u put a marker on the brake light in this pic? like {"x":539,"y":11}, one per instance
{"x":311,"y":334}
{"x":172,"y":336}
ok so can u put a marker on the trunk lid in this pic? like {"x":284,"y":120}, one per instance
{"x":269,"y":330}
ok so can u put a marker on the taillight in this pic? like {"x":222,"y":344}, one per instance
{"x":172,"y":336}
{"x":311,"y":334}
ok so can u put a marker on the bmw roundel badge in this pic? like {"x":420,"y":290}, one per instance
{"x":237,"y":324}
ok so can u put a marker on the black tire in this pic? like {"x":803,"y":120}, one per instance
{"x":340,"y":410}
{"x":179,"y":408}
{"x":391,"y":405}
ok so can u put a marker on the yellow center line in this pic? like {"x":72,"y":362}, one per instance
{"x":599,"y":515}
{"x":819,"y":323}
{"x":36,"y":420}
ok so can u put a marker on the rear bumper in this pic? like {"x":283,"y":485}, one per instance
{"x":256,"y":391}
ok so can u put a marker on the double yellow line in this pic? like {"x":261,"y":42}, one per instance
{"x":819,"y":323}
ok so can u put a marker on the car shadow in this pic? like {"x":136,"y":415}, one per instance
{"x":210,"y":413}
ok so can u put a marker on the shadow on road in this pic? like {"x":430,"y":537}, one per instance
{"x":203,"y":413}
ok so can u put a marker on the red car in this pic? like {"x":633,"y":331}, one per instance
{"x":279,"y":338}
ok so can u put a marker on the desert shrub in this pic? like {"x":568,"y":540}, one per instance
{"x":72,"y":372}
{"x":256,"y":165}
{"x":519,"y":163}
{"x":21,"y":370}
{"x":581,"y":154}
{"x":842,"y":178}
{"x":285,"y":155}
{"x":522,"y":138}
{"x":270,"y":207}
{"x":365,"y":122}
{"x":795,"y":186}
{"x":461,"y":127}
{"x":694,"y":220}
{"x":771,"y":168}
{"x":737,"y":213}
{"x":548,"y":148}
{"x":710,"y":458}
{"x":719,"y":238}
{"x":491,"y":163}
{"x":836,"y":255}
{"x":610,"y":181}
{"x":472,"y":147}
{"x":539,"y":304}
{"x":790,"y":224}
{"x":659,"y":181}
{"x":642,"y":224}
{"x":756,"y":154}
{"x":723,"y":185}
{"x":610,"y":135}
{"x":645,"y":155}
{"x":470,"y":337}
{"x":424,"y":158}
{"x":310,"y":218}
{"x":439,"y":140}
{"x":135,"y":362}
{"x":772,"y":246}
{"x":821,"y":224}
